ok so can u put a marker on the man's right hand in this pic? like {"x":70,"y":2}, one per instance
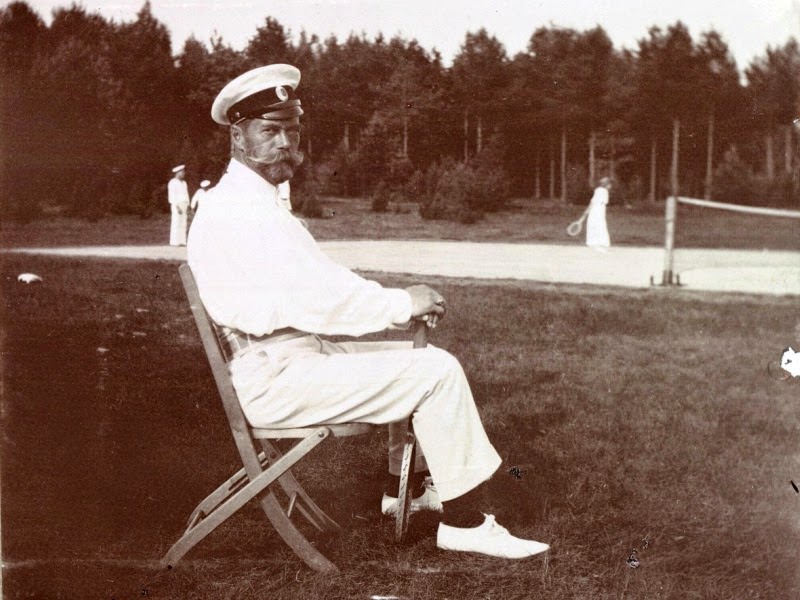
{"x":425,"y":301}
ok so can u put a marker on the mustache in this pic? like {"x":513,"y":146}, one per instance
{"x":293,"y":157}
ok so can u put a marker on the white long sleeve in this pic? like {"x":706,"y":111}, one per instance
{"x":178,"y":192}
{"x":258,"y":269}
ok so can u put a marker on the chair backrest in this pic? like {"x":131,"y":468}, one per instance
{"x":216,"y":359}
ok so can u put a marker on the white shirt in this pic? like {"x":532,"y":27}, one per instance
{"x":178,"y":193}
{"x":258,"y":269}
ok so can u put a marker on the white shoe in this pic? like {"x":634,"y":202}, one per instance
{"x":489,"y":538}
{"x":429,"y":500}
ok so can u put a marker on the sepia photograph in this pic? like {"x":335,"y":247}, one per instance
{"x":400,"y":300}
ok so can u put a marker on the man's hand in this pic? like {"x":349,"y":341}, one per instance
{"x":426,"y":303}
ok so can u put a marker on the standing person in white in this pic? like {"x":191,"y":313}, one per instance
{"x":284,"y":193}
{"x":199,"y":194}
{"x":264,"y":279}
{"x":178,"y":196}
{"x":596,"y":227}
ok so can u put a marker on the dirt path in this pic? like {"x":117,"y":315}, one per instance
{"x":757,"y":272}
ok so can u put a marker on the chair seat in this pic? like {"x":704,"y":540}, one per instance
{"x":338,"y":430}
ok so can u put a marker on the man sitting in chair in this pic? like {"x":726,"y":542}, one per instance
{"x":263,"y":278}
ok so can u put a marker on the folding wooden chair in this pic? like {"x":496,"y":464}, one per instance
{"x":263,"y":468}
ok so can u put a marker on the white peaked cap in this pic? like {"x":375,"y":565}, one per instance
{"x":266,"y":92}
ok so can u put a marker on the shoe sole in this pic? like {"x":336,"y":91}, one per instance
{"x":543,"y":550}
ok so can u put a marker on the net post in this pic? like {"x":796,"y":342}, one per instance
{"x":671,"y":211}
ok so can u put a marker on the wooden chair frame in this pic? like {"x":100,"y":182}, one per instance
{"x":263,"y":467}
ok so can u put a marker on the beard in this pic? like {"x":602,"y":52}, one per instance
{"x":276,"y":167}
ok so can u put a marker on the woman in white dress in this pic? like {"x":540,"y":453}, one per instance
{"x":596,"y":228}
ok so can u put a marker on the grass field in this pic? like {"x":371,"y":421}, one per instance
{"x":525,"y":221}
{"x":636,"y":420}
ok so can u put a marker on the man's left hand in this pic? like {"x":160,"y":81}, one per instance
{"x":426,"y":304}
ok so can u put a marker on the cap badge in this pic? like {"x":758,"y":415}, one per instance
{"x":281,"y":93}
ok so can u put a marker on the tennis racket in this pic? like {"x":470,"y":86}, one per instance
{"x":575,"y":227}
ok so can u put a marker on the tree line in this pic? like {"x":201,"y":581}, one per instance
{"x":95,"y":113}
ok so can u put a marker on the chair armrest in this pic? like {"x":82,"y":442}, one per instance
{"x":420,"y":333}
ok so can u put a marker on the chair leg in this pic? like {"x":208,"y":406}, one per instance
{"x":307,"y":507}
{"x":236,"y":482}
{"x":204,"y":525}
{"x":293,"y":537}
{"x":405,"y":492}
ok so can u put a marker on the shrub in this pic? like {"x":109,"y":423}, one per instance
{"x":158,"y":197}
{"x":138,"y":199}
{"x":578,"y":189}
{"x":627,"y":192}
{"x":307,"y":191}
{"x":783,"y":190}
{"x":117,"y":197}
{"x":490,"y":186}
{"x":455,"y":193}
{"x":339,"y":175}
{"x":93,"y":203}
{"x":374,"y":155}
{"x":733,"y":180}
{"x":401,"y":169}
{"x":444,"y":196}
{"x":416,"y":187}
{"x":463,"y":192}
{"x":310,"y":206}
{"x":380,"y":197}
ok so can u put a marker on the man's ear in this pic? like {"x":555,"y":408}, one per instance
{"x":237,"y":137}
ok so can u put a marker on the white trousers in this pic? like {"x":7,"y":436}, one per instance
{"x":177,"y":229}
{"x":307,"y":381}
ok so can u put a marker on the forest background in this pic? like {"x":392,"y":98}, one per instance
{"x":96,"y":112}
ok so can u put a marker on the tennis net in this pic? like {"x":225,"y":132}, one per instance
{"x":721,"y":245}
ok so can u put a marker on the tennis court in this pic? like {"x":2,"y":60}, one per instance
{"x":742,"y":271}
